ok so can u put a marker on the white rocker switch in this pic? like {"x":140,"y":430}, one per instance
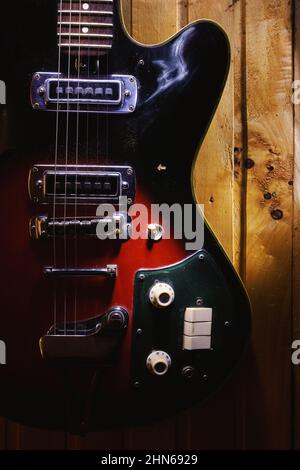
{"x":198,"y":314}
{"x":197,"y":329}
{"x":194,"y":343}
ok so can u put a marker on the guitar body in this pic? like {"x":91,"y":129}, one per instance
{"x":86,"y":380}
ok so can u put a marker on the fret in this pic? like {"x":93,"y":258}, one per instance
{"x":84,"y":45}
{"x":87,"y":35}
{"x":85,"y":23}
{"x":86,"y":12}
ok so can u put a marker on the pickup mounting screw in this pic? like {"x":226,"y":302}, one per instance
{"x":130,"y":171}
{"x":142,"y":277}
{"x":35,"y":169}
{"x":201,"y":257}
{"x":42,"y":90}
{"x":227,"y":324}
{"x":129,"y":201}
{"x":199,"y":301}
{"x":37,"y":76}
{"x":131,"y":79}
{"x":139,"y":332}
{"x":205,"y":377}
{"x":131,"y":108}
{"x":36,"y":105}
{"x":127,"y":93}
{"x":137,"y":384}
{"x":141,"y":62}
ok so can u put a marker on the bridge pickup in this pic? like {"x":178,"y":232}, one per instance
{"x":111,"y":94}
{"x":117,"y":227}
{"x":88,"y":185}
{"x":111,"y":271}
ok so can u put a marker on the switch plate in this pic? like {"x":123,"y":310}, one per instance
{"x":198,"y":314}
{"x":194,"y":343}
{"x":197,"y":329}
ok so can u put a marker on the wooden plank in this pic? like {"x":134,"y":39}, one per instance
{"x":240,"y":136}
{"x":154,"y":21}
{"x":296,"y":241}
{"x":269,"y":241}
{"x":20,"y":437}
{"x":213,"y":176}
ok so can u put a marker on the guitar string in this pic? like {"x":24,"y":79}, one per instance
{"x":76,"y":169}
{"x":55,"y":168}
{"x":66,"y":167}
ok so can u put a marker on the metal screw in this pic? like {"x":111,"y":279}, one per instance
{"x":141,"y":62}
{"x":129,"y":201}
{"x":131,"y":108}
{"x":36,"y":105}
{"x":42,"y":91}
{"x":142,"y":277}
{"x":137,"y":384}
{"x":35,"y":199}
{"x":127,"y":93}
{"x":131,"y":79}
{"x":227,"y":324}
{"x":125,"y":185}
{"x":37,"y":76}
{"x":35,"y":169}
{"x":201,"y":257}
{"x":129,"y":171}
{"x":199,"y":301}
{"x":205,"y":377}
{"x":139,"y":332}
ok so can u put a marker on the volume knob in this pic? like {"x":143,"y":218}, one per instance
{"x":161,"y":295}
{"x":158,"y":362}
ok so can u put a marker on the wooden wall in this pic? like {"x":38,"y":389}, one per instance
{"x":245,"y":178}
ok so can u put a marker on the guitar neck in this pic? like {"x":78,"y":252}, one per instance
{"x":85,"y":27}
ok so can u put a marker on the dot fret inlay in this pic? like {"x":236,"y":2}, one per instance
{"x":83,"y":25}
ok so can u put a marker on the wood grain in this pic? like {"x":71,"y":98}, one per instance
{"x":269,"y":241}
{"x":296,"y":234}
{"x":213,"y":176}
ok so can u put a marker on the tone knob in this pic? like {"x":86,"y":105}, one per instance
{"x":162,"y":295}
{"x":158,"y":362}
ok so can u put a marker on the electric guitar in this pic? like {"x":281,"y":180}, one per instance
{"x":118,"y":304}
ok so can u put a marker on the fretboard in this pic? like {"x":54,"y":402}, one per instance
{"x":85,"y":25}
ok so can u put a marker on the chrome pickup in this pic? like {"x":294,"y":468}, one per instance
{"x":117,"y":227}
{"x":88,"y":185}
{"x":111,"y":94}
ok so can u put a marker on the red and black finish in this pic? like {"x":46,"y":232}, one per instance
{"x":96,"y":374}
